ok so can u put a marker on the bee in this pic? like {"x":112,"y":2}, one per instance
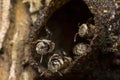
{"x":58,"y":61}
{"x":81,"y":49}
{"x":55,"y":63}
{"x":86,"y":30}
{"x":44,"y":47}
{"x":82,"y":31}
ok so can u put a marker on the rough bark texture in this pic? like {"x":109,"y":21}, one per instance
{"x":4,"y":25}
{"x":18,"y":33}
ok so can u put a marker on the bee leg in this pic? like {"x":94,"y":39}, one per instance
{"x":42,"y":73}
{"x":91,"y":43}
{"x":60,"y":73}
{"x":75,"y":37}
{"x":49,"y":33}
{"x":41,"y":58}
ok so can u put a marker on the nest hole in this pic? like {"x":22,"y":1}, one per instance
{"x":63,"y":24}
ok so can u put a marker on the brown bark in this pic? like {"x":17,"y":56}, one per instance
{"x":19,"y":30}
{"x":14,"y":31}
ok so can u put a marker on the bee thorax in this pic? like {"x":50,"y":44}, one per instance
{"x":80,"y":49}
{"x":44,"y":46}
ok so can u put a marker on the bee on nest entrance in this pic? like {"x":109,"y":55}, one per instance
{"x":58,"y":37}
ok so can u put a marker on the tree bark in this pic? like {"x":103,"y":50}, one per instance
{"x":18,"y":33}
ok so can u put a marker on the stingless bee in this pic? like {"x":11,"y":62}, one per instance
{"x":86,"y":30}
{"x":81,"y":49}
{"x":44,"y":47}
{"x":58,"y":61}
{"x":55,"y":63}
{"x":82,"y":31}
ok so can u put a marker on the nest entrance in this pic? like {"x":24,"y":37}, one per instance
{"x":64,"y":23}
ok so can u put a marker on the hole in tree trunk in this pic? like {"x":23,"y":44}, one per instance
{"x":64,"y":23}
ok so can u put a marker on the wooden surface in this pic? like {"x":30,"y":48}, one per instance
{"x":17,"y":33}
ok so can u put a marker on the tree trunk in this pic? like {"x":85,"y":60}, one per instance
{"x":24,"y":22}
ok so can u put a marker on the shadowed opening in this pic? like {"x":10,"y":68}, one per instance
{"x":63,"y":24}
